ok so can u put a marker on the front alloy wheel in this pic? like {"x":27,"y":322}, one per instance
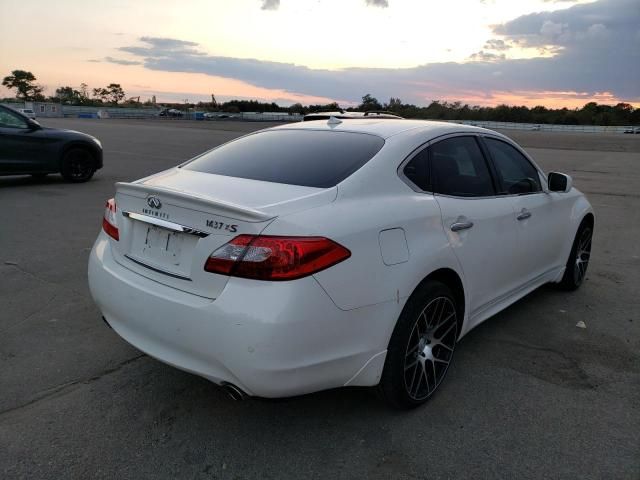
{"x":579,"y":257}
{"x":583,"y":253}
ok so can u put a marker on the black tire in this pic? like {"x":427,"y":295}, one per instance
{"x":578,"y":261}
{"x":418,"y":346}
{"x":78,"y":165}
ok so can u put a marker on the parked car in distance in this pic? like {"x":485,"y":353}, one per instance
{"x":27,"y":148}
{"x":171,"y":112}
{"x":334,"y":253}
{"x":218,"y":115}
{"x":632,"y":130}
{"x":344,"y":115}
{"x":28,"y":112}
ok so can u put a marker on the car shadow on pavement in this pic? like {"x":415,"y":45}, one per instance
{"x":30,"y":181}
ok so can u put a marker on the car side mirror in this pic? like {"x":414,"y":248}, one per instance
{"x":32,"y":124}
{"x":559,"y":182}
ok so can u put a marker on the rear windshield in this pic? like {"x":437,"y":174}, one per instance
{"x":310,"y":158}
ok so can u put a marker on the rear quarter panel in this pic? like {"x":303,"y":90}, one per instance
{"x":364,"y":282}
{"x":373,"y":200}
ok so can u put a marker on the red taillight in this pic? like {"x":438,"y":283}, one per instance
{"x":109,"y":222}
{"x":275,"y":258}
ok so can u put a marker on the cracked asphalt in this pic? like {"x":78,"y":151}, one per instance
{"x":530,"y":395}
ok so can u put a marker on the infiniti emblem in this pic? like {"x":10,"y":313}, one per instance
{"x":154,"y":202}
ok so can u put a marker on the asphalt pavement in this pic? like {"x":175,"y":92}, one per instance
{"x":529,"y":395}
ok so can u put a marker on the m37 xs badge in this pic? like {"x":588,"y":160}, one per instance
{"x":221,"y":226}
{"x":154,"y":202}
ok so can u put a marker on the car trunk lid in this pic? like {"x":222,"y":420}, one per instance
{"x":170,"y":223}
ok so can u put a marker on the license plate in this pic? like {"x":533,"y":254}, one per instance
{"x":162,"y":246}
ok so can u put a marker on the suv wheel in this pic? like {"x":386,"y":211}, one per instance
{"x":77,"y":165}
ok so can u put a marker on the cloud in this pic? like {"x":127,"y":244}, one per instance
{"x":119,"y":61}
{"x":164,"y":47}
{"x":483,"y":56}
{"x":168,"y":43}
{"x":377,"y":3}
{"x":551,"y":30}
{"x":597,"y":49}
{"x":496,"y":44}
{"x":270,"y":4}
{"x":597,"y":30}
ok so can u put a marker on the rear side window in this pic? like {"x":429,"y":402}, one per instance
{"x":516,"y":173}
{"x":310,"y":158}
{"x":417,"y":170}
{"x":459,"y":168}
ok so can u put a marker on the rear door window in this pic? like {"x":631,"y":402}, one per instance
{"x":310,"y":158}
{"x":459,"y":168}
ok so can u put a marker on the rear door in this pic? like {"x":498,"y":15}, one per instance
{"x":539,"y":217}
{"x":480,"y":225}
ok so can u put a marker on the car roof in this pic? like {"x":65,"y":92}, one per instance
{"x":384,"y":128}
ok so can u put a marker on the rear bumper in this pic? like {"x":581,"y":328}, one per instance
{"x":271,"y":339}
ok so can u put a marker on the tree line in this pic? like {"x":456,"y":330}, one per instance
{"x":591,"y":113}
{"x":24,"y":84}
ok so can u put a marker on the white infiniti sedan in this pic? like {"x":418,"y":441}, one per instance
{"x":333,"y":253}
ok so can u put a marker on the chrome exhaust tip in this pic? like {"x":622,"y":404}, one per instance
{"x":233,"y":392}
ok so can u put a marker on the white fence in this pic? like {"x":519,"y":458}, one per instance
{"x":545,"y":127}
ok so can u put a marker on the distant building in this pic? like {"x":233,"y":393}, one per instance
{"x":45,"y":109}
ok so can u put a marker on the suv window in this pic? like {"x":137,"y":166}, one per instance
{"x":311,"y":158}
{"x":459,"y":168}
{"x":417,"y":170}
{"x":515,"y":172}
{"x":11,"y":120}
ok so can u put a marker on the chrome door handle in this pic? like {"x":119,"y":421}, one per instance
{"x":524,"y":214}
{"x":456,"y":227}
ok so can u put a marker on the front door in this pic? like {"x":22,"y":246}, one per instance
{"x":539,"y":215}
{"x":16,"y":147}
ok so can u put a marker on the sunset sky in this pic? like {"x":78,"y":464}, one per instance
{"x":481,"y":52}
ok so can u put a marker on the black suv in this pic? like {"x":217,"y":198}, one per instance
{"x":27,"y":148}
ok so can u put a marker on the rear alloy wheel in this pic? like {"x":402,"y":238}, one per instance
{"x":421,"y":347}
{"x":78,"y":165}
{"x":578,"y":262}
